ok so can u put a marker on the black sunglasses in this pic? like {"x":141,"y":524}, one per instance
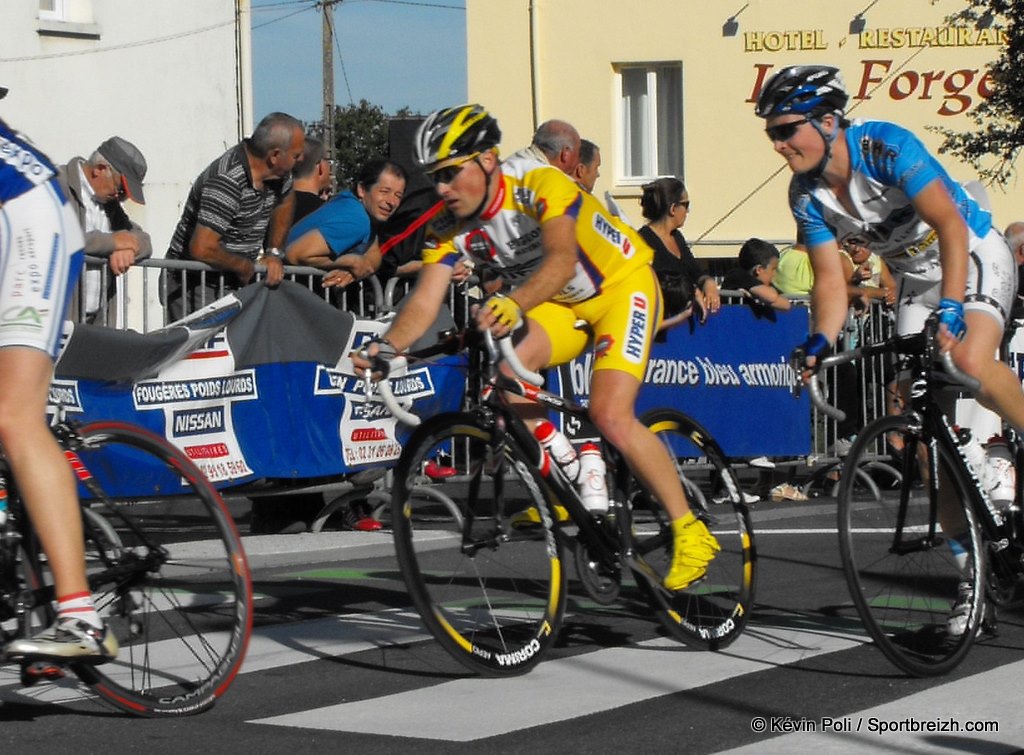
{"x":447,"y":174}
{"x":685,"y":204}
{"x":784,"y":131}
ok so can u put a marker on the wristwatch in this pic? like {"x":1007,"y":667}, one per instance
{"x":274,"y":252}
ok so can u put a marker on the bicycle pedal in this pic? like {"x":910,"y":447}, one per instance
{"x":40,"y":671}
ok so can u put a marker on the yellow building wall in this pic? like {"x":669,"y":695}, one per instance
{"x":906,"y":66}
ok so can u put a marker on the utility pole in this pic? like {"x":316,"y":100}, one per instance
{"x":327,"y":8}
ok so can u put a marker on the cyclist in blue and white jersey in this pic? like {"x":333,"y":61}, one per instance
{"x":874,"y":184}
{"x":40,"y":259}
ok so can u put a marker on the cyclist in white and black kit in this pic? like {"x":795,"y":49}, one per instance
{"x":874,"y":183}
{"x":40,"y":259}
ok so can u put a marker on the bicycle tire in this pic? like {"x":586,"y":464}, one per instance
{"x":904,"y":590}
{"x":180,"y":608}
{"x":492,"y":595}
{"x":712,"y":613}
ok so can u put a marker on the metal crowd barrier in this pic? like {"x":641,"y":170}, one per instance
{"x":134,"y":301}
{"x":863,"y":390}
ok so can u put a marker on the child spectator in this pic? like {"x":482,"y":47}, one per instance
{"x":758,"y":264}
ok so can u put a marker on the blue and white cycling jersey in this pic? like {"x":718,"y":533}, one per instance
{"x":40,"y":246}
{"x":889,"y":167}
{"x":23,"y":167}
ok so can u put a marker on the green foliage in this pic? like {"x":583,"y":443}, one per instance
{"x":360,"y":135}
{"x":992,"y":147}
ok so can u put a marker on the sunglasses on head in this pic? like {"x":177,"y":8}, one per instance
{"x":784,"y":131}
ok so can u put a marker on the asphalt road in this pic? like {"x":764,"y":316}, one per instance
{"x":339,"y":662}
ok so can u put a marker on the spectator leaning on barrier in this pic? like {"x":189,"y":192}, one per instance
{"x":758,"y":263}
{"x":666,"y":205}
{"x":338,"y":234}
{"x":240,"y":204}
{"x":311,"y":179}
{"x":96,"y":187}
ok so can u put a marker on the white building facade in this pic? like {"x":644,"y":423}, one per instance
{"x":171,"y":76}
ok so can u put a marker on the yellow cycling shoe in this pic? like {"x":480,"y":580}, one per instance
{"x":530,"y":517}
{"x":693,"y":548}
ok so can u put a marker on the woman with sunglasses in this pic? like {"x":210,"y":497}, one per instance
{"x":875,"y":182}
{"x":665,"y":204}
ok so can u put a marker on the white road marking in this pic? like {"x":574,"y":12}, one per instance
{"x":469,"y":709}
{"x":269,"y":647}
{"x":948,"y":709}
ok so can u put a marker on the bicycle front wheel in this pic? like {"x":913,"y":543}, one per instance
{"x":491,"y":593}
{"x":167,"y":570}
{"x":903,"y":572}
{"x":712,"y":613}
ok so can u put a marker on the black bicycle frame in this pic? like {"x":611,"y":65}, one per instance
{"x":559,"y":489}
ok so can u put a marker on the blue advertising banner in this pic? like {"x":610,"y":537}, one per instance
{"x":252,"y":389}
{"x":731,"y":373}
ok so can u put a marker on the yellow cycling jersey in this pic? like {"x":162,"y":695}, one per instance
{"x":506,"y":238}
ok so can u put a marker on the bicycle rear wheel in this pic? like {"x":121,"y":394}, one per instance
{"x":712,"y":613}
{"x":167,"y":570}
{"x":491,"y":594}
{"x":902,"y":574}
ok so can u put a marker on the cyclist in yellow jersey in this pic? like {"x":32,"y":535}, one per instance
{"x":563,"y":258}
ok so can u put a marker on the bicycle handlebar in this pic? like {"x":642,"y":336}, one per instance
{"x":396,"y":368}
{"x":508,"y":353}
{"x":398,"y":365}
{"x":818,"y":399}
{"x":911,"y":342}
{"x":958,"y":375}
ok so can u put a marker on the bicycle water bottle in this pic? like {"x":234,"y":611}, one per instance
{"x":559,"y":448}
{"x":1000,"y":475}
{"x":974,"y":453}
{"x":3,"y":501}
{"x":593,"y":483}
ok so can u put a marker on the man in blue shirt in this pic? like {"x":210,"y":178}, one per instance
{"x":343,"y":229}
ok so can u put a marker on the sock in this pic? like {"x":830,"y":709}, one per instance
{"x":78,"y":606}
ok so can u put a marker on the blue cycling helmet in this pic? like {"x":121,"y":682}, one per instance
{"x":810,"y":91}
